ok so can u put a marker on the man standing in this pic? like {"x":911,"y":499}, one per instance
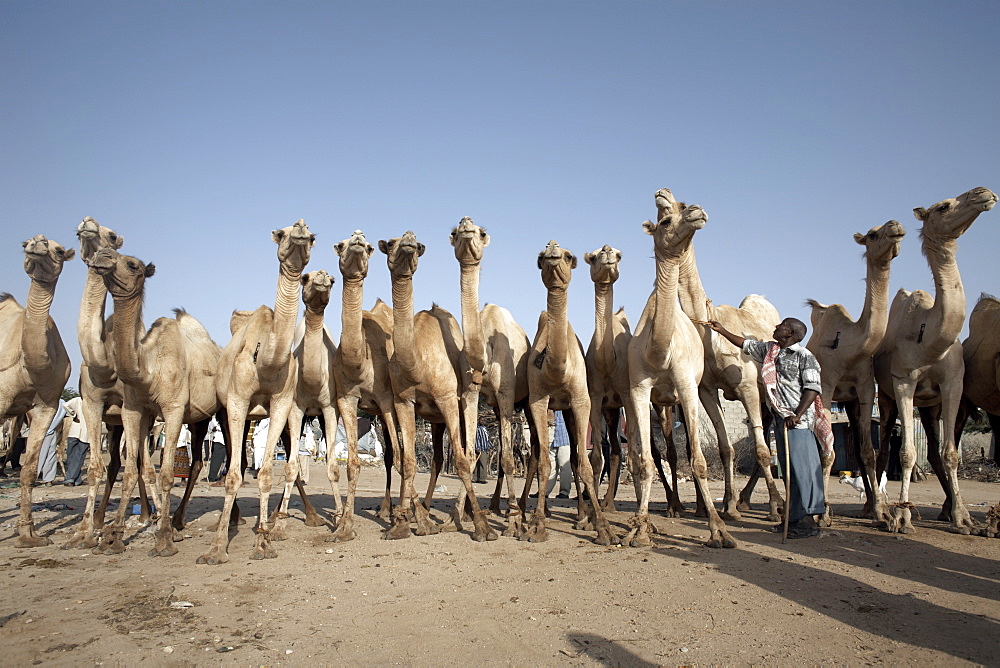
{"x":791,"y":377}
{"x":77,"y":443}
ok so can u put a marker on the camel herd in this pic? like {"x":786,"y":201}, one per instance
{"x":398,"y":365}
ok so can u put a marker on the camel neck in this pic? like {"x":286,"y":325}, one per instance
{"x":402,"y":325}
{"x":472,"y":326}
{"x":90,"y":325}
{"x":557,"y":344}
{"x":286,"y":305}
{"x":666,"y":309}
{"x":351,"y":333}
{"x":127,"y":334}
{"x":949,"y":296}
{"x":34,"y":334}
{"x":874,"y":316}
{"x":313,"y":347}
{"x":604,"y":294}
{"x":690,"y":290}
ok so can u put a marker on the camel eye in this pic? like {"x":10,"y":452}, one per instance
{"x":113,"y":236}
{"x":944,"y":207}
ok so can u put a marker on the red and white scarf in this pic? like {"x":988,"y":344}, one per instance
{"x":769,"y":374}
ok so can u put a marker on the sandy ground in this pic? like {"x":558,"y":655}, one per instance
{"x":855,"y":595}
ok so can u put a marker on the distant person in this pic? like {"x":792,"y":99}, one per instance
{"x":791,"y":377}
{"x":48,"y":463}
{"x":77,"y":443}
{"x":559,"y":455}
{"x":484,"y":449}
{"x":217,"y":450}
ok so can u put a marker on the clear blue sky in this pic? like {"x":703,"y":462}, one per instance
{"x":193,"y":129}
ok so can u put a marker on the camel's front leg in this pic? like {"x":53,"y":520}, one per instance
{"x":536,"y":531}
{"x":961,"y":520}
{"x":165,"y":532}
{"x":41,"y":418}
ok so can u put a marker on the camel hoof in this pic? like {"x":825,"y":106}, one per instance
{"x":745,"y":506}
{"x":314,"y":520}
{"x":77,"y":541}
{"x":730,"y":515}
{"x":484,"y":533}
{"x":116,"y":546}
{"x":342,"y":536}
{"x":426,"y":529}
{"x":722,"y":540}
{"x":278,"y":533}
{"x":31,"y":541}
{"x":213,"y":558}
{"x":397,"y":532}
{"x":605,"y":536}
{"x":609,"y":506}
{"x":164,"y":552}
{"x":264,"y":553}
{"x":514,"y":528}
{"x":535,"y":534}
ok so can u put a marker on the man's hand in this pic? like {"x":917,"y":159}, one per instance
{"x":716,"y":326}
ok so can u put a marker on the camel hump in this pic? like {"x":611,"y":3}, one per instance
{"x":7,"y":301}
{"x":238,"y":321}
{"x":760,"y":307}
{"x":191,"y":327}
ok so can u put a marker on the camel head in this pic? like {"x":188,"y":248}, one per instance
{"x":94,"y":236}
{"x":354,"y":253}
{"x":603,"y":264}
{"x":124,"y":275}
{"x":882,"y":242}
{"x":469,"y":241}
{"x":557,"y":265}
{"x":294,"y":245}
{"x":949,"y":219}
{"x":672,"y":236}
{"x":316,"y":287}
{"x":402,"y":254}
{"x":666,"y":204}
{"x":43,"y":259}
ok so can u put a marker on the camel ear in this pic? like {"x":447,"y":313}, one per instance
{"x":588,"y":258}
{"x":382,"y":246}
{"x":150,"y":269}
{"x":420,"y":249}
{"x":920,"y":213}
{"x":369,"y":250}
{"x":649,"y":227}
{"x":338,"y":248}
{"x":540,"y":255}
{"x":572,"y":261}
{"x":486,"y":239}
{"x":277,"y":236}
{"x":304,"y":279}
{"x":69,"y":254}
{"x":859,"y":238}
{"x":118,"y":242}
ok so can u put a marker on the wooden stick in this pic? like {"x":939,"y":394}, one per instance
{"x":788,"y":481}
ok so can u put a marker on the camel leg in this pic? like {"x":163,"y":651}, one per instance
{"x":726,"y":454}
{"x":198,"y":432}
{"x":515,"y":512}
{"x":115,"y":437}
{"x":408,"y":500}
{"x":437,"y":461}
{"x":665,"y":416}
{"x":391,"y":457}
{"x":463,"y":453}
{"x":640,"y":463}
{"x":85,"y":536}
{"x":135,"y":423}
{"x":313,"y":519}
{"x":901,"y":515}
{"x":929,"y":420}
{"x":218,"y":552}
{"x":41,"y":418}
{"x":539,"y":466}
{"x":719,"y":537}
{"x":585,"y":474}
{"x":961,"y":520}
{"x":165,"y":532}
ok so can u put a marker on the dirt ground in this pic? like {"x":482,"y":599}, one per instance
{"x":855,"y":595}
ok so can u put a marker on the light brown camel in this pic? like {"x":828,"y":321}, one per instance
{"x":919,"y":362}
{"x":844,"y":350}
{"x":607,"y":367}
{"x":727,"y":370}
{"x":256,"y":379}
{"x":666,"y":363}
{"x":496,"y":349}
{"x":34,"y":365}
{"x":101,"y":391}
{"x":315,"y":394}
{"x":557,"y":380}
{"x":361,"y":369}
{"x":425,"y":357}
{"x":981,"y":352}
{"x":168,"y":372}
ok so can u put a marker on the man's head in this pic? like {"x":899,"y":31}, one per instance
{"x":789,"y":331}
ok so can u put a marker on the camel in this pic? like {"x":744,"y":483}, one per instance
{"x":496,"y":349}
{"x":361,"y":370}
{"x":844,"y":349}
{"x":168,"y":372}
{"x":607,"y":367}
{"x":256,"y":379}
{"x":315,"y":394}
{"x":666,"y":363}
{"x":919,"y":362}
{"x":557,"y":380}
{"x":981,"y":352}
{"x":727,"y":370}
{"x":34,"y":365}
{"x":101,"y":391}
{"x":425,"y":366}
